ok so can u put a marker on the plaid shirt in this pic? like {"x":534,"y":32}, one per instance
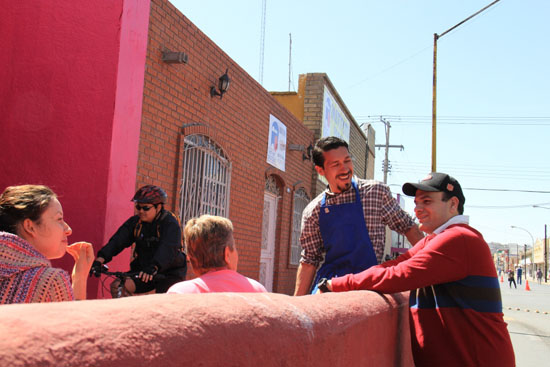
{"x":379,"y":207}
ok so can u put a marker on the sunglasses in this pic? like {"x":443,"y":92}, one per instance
{"x":144,"y":208}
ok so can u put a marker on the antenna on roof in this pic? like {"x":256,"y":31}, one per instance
{"x":289,"y":59}
{"x":262,"y":42}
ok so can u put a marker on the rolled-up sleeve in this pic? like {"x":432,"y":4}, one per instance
{"x":310,"y":237}
{"x":393,"y":215}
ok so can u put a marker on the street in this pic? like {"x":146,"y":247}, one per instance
{"x":528,"y":316}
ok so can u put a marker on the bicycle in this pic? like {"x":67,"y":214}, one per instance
{"x":120,"y":290}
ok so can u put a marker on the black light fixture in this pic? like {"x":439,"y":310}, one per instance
{"x":307,"y":154}
{"x":170,"y":57}
{"x":223,"y":86}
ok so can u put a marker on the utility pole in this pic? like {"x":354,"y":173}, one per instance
{"x":386,"y":165}
{"x":525,"y":259}
{"x":545,"y":256}
{"x":434,"y":82}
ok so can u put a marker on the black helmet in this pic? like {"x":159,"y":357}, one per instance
{"x":150,"y":194}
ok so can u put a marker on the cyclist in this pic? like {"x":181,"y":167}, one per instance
{"x":156,"y":234}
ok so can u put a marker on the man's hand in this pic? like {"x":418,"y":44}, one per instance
{"x":414,"y":235}
{"x":329,"y":286}
{"x":324,"y":286}
{"x":96,"y":268}
{"x":148,"y":273}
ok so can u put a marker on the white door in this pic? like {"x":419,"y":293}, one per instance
{"x":267,"y":255}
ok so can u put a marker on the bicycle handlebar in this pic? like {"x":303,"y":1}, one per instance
{"x":119,"y":274}
{"x":126,"y":274}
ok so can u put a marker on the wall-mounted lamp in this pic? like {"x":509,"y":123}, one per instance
{"x":170,"y":57}
{"x":307,"y":154}
{"x":223,"y":86}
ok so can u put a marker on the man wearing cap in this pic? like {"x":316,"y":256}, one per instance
{"x":344,"y":228}
{"x":455,"y":304}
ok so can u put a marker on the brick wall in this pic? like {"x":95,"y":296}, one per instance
{"x":179,"y":94}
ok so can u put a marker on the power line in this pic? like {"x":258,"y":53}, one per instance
{"x":464,"y":120}
{"x":517,"y":174}
{"x":497,"y":190}
{"x":458,"y":117}
{"x":404,"y":60}
{"x":509,"y":190}
{"x":525,"y":206}
{"x":388,"y":68}
{"x":479,"y":170}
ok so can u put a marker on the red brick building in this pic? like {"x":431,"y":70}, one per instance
{"x":210,"y":153}
{"x":97,"y":117}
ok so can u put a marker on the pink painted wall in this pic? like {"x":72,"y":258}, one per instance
{"x":70,"y":106}
{"x":126,"y":122}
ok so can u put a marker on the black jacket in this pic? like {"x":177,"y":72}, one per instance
{"x":158,"y":243}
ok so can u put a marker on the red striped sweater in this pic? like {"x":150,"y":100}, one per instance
{"x":26,"y":276}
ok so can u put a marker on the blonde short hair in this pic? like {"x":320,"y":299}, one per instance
{"x":206,"y":238}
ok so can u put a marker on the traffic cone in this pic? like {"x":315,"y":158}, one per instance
{"x":502,"y":278}
{"x":527,"y":285}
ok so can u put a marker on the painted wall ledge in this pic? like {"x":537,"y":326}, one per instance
{"x":232,"y":329}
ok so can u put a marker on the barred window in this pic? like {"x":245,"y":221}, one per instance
{"x":300,"y":202}
{"x":206,"y":179}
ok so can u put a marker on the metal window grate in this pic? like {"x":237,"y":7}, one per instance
{"x":271,"y":186}
{"x":206,"y":179}
{"x":300,"y":202}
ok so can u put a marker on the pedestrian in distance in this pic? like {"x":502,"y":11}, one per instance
{"x":343,"y":229}
{"x":519,"y":274}
{"x":455,"y":302}
{"x":511,"y":279}
{"x":539,"y":276}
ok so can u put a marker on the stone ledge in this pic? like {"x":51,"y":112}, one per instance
{"x":224,"y":329}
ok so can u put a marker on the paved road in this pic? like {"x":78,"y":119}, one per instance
{"x":529,"y":330}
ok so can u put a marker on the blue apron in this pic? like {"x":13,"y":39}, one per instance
{"x":345,"y":238}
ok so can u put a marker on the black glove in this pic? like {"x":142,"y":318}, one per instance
{"x":96,"y":268}
{"x":151,"y":270}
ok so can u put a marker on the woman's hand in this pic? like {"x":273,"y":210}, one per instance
{"x":83,"y":254}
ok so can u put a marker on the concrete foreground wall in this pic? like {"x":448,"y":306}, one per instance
{"x":232,"y":329}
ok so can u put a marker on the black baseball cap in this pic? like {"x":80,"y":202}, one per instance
{"x":436,"y":181}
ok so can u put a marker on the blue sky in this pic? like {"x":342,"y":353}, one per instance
{"x":493,"y":97}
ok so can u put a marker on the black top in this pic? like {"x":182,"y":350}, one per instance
{"x":158,"y":243}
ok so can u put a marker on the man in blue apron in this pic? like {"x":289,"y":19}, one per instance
{"x":343,"y":229}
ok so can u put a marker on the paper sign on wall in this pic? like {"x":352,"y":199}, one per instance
{"x":335,"y":122}
{"x":276,"y":145}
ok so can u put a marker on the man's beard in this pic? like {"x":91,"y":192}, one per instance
{"x":345,"y":186}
